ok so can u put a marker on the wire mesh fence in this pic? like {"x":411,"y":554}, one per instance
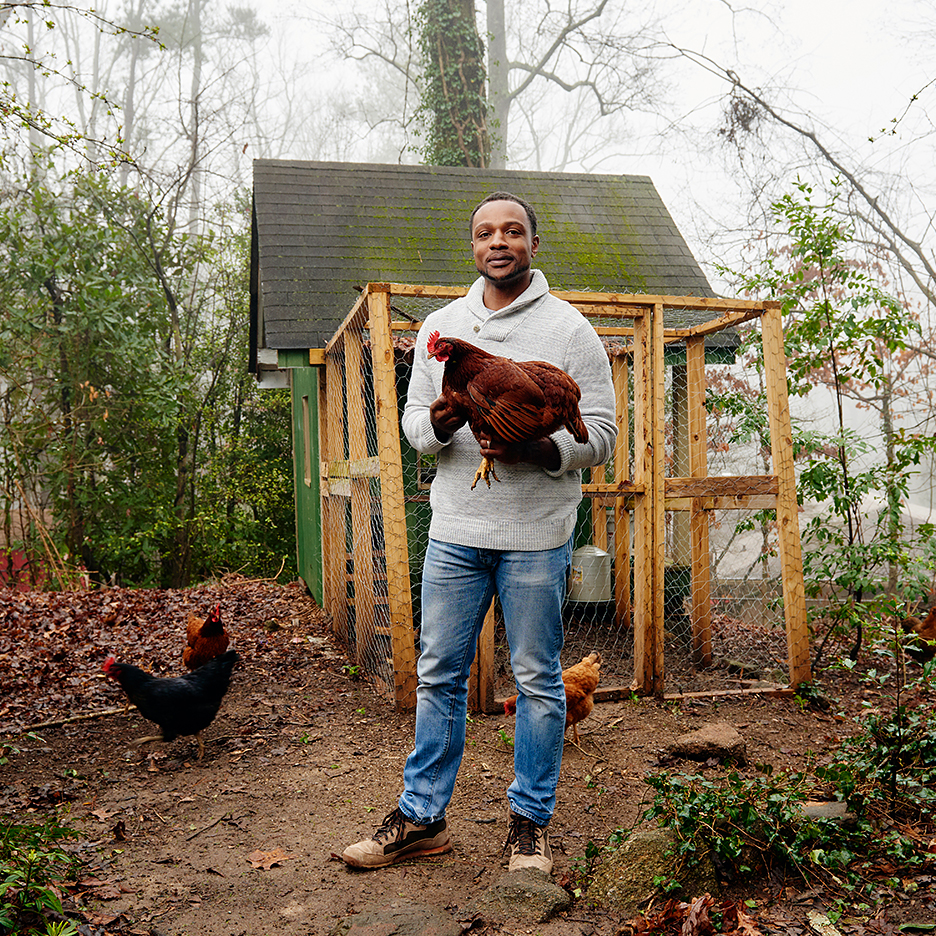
{"x":657,"y":585}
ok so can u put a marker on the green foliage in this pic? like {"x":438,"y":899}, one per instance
{"x":33,"y":864}
{"x":136,"y":444}
{"x":844,"y":332}
{"x":454,"y":101}
{"x":583,"y":868}
{"x":886,"y":773}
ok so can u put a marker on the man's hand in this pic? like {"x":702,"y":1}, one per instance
{"x":541,"y":452}
{"x":445,"y":419}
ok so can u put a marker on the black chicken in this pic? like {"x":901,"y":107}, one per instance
{"x":180,"y":705}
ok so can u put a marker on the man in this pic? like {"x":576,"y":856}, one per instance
{"x":514,"y":539}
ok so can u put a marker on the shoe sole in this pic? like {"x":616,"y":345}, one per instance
{"x":398,"y":856}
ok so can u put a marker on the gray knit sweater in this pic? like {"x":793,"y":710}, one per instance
{"x":531,"y":508}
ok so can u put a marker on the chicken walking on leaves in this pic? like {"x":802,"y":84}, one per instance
{"x":580,"y":681}
{"x":180,"y":705}
{"x":206,"y":639}
{"x":506,"y":401}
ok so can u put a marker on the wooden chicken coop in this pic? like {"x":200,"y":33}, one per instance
{"x":374,"y":489}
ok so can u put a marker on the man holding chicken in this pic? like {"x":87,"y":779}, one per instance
{"x":514,"y":539}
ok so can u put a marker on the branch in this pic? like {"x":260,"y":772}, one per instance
{"x":884,"y":225}
{"x":558,"y":42}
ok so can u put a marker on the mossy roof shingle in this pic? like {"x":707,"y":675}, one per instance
{"x":321,"y":229}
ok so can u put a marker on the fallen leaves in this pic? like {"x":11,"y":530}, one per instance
{"x":268,"y":859}
{"x":52,"y":644}
{"x":696,"y":919}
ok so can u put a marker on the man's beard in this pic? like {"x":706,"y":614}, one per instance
{"x":517,"y":273}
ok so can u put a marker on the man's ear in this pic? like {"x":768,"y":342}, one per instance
{"x":534,"y":245}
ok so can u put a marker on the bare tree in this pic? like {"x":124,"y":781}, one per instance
{"x":592,"y":52}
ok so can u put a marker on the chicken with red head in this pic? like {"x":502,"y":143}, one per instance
{"x":506,"y":401}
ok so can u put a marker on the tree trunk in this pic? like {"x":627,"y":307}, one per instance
{"x":498,"y":89}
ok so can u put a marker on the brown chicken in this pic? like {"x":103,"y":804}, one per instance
{"x":921,"y":640}
{"x":207,"y":639}
{"x":504,"y":400}
{"x":580,"y":681}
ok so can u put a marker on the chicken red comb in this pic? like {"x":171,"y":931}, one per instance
{"x":433,"y":338}
{"x":108,"y":663}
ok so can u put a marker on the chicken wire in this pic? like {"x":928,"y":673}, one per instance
{"x":744,"y":636}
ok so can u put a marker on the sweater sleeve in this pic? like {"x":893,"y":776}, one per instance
{"x":425,"y":385}
{"x":587,"y":363}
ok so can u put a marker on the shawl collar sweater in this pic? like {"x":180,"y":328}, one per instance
{"x":531,"y":508}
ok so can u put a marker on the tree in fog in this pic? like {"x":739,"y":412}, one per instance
{"x":44,"y":94}
{"x":595,"y":53}
{"x":454,"y":97}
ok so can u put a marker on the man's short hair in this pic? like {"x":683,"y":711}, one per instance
{"x":505,"y":196}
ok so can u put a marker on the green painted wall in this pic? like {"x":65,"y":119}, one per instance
{"x":305,"y":416}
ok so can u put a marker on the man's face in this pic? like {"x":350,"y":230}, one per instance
{"x":502,"y":242}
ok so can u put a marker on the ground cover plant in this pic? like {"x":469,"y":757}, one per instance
{"x":306,"y":756}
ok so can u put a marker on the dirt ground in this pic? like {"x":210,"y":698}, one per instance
{"x":303,"y":759}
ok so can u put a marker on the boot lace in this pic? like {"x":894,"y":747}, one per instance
{"x":392,"y":826}
{"x":522,"y":833}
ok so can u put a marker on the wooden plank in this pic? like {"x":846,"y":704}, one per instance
{"x":658,"y":517}
{"x":754,"y":502}
{"x":643,"y":514}
{"x":393,"y":504}
{"x":362,"y":544}
{"x":333,"y":509}
{"x":633,"y":305}
{"x":354,"y":319}
{"x":722,"y":486}
{"x":701,"y":605}
{"x":781,"y":445}
{"x":622,"y":488}
{"x":599,"y":513}
{"x":620,"y":693}
{"x":728,"y":319}
{"x":366,"y":467}
{"x":622,"y":590}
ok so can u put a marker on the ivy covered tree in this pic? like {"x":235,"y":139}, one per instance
{"x":454,"y":95}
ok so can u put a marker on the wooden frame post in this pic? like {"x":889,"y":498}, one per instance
{"x":701,"y":614}
{"x":334,"y":547}
{"x":622,"y":526}
{"x":781,"y":445}
{"x":362,"y":541}
{"x":392,"y":499}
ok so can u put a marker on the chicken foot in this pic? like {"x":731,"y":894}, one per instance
{"x":485,"y":471}
{"x":156,"y":737}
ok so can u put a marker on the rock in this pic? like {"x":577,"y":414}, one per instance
{"x":527,"y":896}
{"x":625,"y":881}
{"x":819,"y":809}
{"x":715,"y":740}
{"x":398,"y":918}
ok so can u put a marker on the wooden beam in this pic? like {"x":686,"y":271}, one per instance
{"x":643,"y":514}
{"x":355,"y":318}
{"x":481,"y":680}
{"x":658,"y":515}
{"x":622,"y":526}
{"x":334,"y":547}
{"x":362,"y":540}
{"x":700,"y":590}
{"x":722,"y":486}
{"x":393,"y":504}
{"x":788,"y":535}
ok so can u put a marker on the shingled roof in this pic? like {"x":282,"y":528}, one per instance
{"x":321,"y":229}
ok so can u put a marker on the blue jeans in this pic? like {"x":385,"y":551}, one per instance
{"x":458,"y":584}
